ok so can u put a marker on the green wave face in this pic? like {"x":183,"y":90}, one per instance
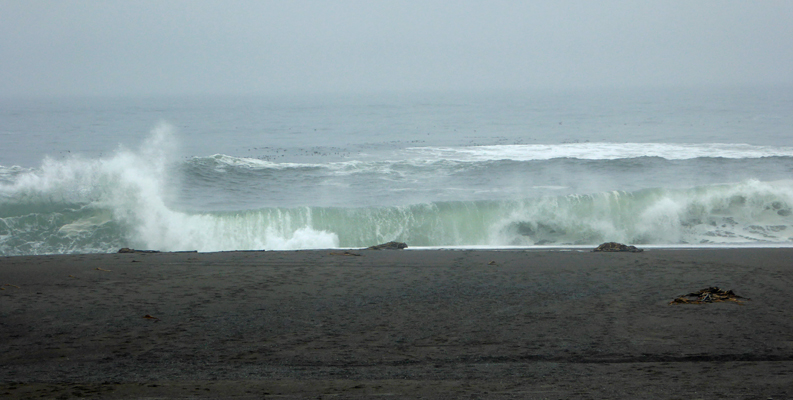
{"x":747,"y":212}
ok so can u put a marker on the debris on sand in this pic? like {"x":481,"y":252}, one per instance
{"x":614,"y":246}
{"x":389,"y":246}
{"x":708,"y":295}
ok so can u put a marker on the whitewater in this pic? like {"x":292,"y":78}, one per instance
{"x":669,"y":168}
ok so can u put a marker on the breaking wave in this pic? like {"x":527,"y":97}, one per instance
{"x":96,"y":221}
{"x":601,"y":151}
{"x":132,"y":199}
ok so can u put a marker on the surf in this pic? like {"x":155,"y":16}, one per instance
{"x":743,"y":213}
{"x":148,"y":198}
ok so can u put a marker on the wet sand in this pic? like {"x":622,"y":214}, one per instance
{"x":396,"y":324}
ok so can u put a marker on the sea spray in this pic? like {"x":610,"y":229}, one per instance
{"x":149,"y":199}
{"x":748,"y":212}
{"x":662,"y":167}
{"x":81,"y":205}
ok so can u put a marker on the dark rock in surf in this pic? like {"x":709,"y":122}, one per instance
{"x":389,"y":246}
{"x":614,"y":246}
{"x":128,"y":250}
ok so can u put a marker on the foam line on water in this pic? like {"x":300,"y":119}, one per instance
{"x":599,"y":151}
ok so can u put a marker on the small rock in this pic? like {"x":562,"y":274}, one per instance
{"x":389,"y":246}
{"x":614,"y":246}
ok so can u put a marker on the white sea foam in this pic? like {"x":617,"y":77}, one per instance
{"x":255,"y":163}
{"x":751,"y":211}
{"x":435,"y":157}
{"x":598,"y":151}
{"x":126,"y":200}
{"x":132,"y":188}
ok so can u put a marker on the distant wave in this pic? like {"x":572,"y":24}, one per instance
{"x":434,"y":156}
{"x":598,"y":151}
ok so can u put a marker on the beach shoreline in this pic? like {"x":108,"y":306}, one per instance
{"x":497,"y":323}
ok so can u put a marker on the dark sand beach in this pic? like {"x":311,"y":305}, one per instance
{"x":396,"y":324}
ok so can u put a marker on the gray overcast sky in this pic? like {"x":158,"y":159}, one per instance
{"x":112,"y":47}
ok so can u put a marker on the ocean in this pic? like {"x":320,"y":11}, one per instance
{"x":697,"y":167}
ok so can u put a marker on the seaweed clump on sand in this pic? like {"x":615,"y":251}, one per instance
{"x":709,"y":295}
{"x":614,"y":246}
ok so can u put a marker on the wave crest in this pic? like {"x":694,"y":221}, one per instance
{"x":600,"y":151}
{"x":77,"y":205}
